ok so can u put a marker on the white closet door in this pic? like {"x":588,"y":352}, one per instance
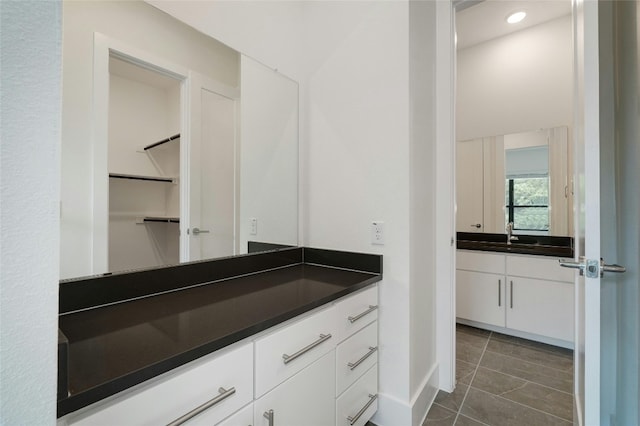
{"x":469,"y":186}
{"x":210,"y":229}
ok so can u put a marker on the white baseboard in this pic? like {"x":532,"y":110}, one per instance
{"x":393,"y":412}
{"x":422,"y":400}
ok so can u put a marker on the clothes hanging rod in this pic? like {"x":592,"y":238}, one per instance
{"x":163,"y":141}
{"x":161,"y":219}
{"x":135,"y":177}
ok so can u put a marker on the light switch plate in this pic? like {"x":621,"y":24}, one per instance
{"x":254,"y":226}
{"x":377,"y":233}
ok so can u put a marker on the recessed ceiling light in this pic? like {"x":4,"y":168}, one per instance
{"x":516,"y":17}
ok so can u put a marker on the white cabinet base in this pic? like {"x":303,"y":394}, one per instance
{"x":516,"y":333}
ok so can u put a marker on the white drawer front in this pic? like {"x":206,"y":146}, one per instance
{"x":356,"y":311}
{"x":480,"y":262}
{"x":243,"y":417}
{"x":181,"y":392}
{"x":356,"y":355}
{"x":538,"y":267}
{"x":271,"y":369}
{"x":353,"y":402}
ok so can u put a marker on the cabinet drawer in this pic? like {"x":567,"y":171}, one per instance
{"x":243,"y":417}
{"x":359,"y":399}
{"x":480,"y":262}
{"x":306,"y":399}
{"x":303,"y":338}
{"x":356,"y":311}
{"x":180,"y":392}
{"x":356,"y":355}
{"x":538,"y":267}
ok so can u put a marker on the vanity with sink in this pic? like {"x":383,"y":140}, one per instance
{"x":516,"y":287}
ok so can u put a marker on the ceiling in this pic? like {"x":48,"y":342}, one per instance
{"x":486,"y":20}
{"x":142,"y":75}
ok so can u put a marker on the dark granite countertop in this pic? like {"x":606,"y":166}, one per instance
{"x":116,"y":346}
{"x":540,"y":245}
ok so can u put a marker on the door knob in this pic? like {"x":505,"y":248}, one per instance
{"x":590,"y":267}
{"x":196,"y":231}
{"x":476,"y":225}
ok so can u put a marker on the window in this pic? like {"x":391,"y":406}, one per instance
{"x":527,"y":203}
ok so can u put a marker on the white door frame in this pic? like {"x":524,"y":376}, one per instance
{"x":103,"y":48}
{"x":444,"y":188}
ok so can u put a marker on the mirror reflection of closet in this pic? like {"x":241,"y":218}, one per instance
{"x":144,"y":167}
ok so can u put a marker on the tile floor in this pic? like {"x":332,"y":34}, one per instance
{"x":504,"y":380}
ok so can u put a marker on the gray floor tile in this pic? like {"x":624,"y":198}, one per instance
{"x":568,"y":353}
{"x":466,"y":421}
{"x":472,"y":330}
{"x":497,"y":411}
{"x":468,"y":353}
{"x":439,"y":416}
{"x":464,"y":372}
{"x":540,"y":397}
{"x":560,"y":380}
{"x":453,"y":400}
{"x":531,"y":355}
{"x":474,"y":340}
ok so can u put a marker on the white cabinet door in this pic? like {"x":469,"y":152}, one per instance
{"x":480,"y":297}
{"x":469,"y":184}
{"x":243,"y":417}
{"x":306,"y":399}
{"x":540,"y":307}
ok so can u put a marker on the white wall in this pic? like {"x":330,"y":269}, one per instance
{"x":516,"y":83}
{"x":29,"y":215}
{"x":143,"y":27}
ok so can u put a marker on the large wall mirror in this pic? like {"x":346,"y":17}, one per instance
{"x":175,"y":147}
{"x":514,"y":109}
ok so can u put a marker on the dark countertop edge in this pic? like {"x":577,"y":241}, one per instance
{"x":90,"y":396}
{"x":534,"y":250}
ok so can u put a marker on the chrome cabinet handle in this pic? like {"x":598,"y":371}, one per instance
{"x":511,"y":295}
{"x":476,"y":225}
{"x":288,"y":358}
{"x":269,"y":416}
{"x":224,"y":394}
{"x":499,"y":293}
{"x":353,"y":365}
{"x":355,"y":418}
{"x":368,"y":311}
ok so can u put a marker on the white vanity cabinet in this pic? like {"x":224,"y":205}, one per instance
{"x":528,"y":296}
{"x":320,"y":368}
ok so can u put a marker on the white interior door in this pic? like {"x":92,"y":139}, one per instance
{"x":470,"y":186}
{"x":210,"y":210}
{"x":606,"y":132}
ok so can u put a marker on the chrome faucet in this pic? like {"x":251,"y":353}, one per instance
{"x":510,"y":236}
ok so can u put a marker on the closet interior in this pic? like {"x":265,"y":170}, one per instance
{"x":144,"y":167}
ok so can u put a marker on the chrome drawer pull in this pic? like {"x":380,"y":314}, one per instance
{"x":269,"y":416}
{"x":288,"y":358}
{"x":368,"y":311}
{"x":353,"y":365}
{"x":355,"y":418}
{"x":224,"y":394}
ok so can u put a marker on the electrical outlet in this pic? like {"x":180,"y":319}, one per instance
{"x":377,"y":233}
{"x":254,"y":226}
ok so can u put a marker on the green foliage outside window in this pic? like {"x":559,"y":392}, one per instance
{"x":527,"y":202}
